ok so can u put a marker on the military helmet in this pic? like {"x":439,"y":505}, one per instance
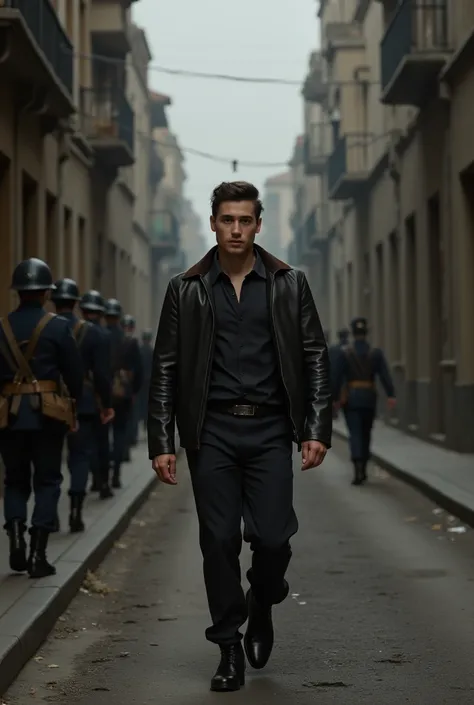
{"x":128,"y":321}
{"x":359,"y":326}
{"x":66,"y":290}
{"x":32,"y":275}
{"x":113,"y":308}
{"x":92,"y":301}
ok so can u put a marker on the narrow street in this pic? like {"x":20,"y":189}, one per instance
{"x":381,"y":613}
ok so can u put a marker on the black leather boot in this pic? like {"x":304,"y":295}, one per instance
{"x":116,"y":484}
{"x":230,"y":675}
{"x":16,"y":534}
{"x":38,"y":566}
{"x":358,"y":473}
{"x":76,"y":524}
{"x":259,"y":637}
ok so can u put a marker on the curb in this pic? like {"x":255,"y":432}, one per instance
{"x":442,"y":499}
{"x":38,"y":610}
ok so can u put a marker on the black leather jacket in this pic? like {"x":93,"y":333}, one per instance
{"x":183,"y":355}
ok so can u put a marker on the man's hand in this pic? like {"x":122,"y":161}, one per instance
{"x":107,"y":415}
{"x":391,"y":403}
{"x":165,"y":468}
{"x":313,"y":454}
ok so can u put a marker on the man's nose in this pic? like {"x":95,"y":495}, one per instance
{"x":236,"y":229}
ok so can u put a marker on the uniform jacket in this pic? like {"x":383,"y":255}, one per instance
{"x":125,"y":355}
{"x":56,"y":356}
{"x":345,"y":371}
{"x":94,"y":352}
{"x":184,"y":347}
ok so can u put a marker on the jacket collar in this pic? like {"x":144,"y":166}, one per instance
{"x":271,"y":263}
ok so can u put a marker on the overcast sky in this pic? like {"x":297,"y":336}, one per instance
{"x":250,"y":122}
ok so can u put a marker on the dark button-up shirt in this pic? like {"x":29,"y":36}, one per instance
{"x":245,"y":366}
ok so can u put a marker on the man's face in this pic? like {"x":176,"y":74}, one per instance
{"x":235,"y":226}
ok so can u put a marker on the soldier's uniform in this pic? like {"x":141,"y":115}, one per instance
{"x":96,"y":397}
{"x":334,"y":351}
{"x":92,"y":306}
{"x":354,"y":379}
{"x":146,"y":353}
{"x":37,"y":355}
{"x":129,"y":325}
{"x":126,"y":369}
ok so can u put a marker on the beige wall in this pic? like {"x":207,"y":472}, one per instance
{"x":402,"y":252}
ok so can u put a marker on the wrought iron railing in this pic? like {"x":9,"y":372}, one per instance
{"x":50,"y":36}
{"x":106,"y":112}
{"x":418,"y":26}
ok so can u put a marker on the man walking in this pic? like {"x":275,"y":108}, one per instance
{"x":241,"y":363}
{"x":355,"y":371}
{"x":37,"y":354}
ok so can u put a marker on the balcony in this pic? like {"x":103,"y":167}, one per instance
{"x":108,"y":122}
{"x":348,"y":166}
{"x":37,"y":53}
{"x":314,"y":157}
{"x":165,"y":233}
{"x":414,"y":49}
{"x":157,"y":168}
{"x":110,"y":27}
{"x":314,"y":87}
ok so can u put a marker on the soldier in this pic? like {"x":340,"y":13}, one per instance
{"x":37,"y":352}
{"x":355,"y":372}
{"x":92,"y":306}
{"x":126,"y":369}
{"x":129,"y":327}
{"x":94,"y":408}
{"x":146,"y":352}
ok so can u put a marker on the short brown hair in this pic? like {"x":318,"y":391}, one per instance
{"x":236,"y":191}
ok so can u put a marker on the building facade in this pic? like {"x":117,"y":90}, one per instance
{"x":395,"y":88}
{"x":278,"y":204}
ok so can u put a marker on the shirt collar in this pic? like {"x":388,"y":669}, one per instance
{"x":258,"y":268}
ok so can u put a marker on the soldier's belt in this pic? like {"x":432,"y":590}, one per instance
{"x":39,"y":387}
{"x":361,"y":384}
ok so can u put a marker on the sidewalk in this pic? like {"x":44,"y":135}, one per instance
{"x":444,"y":476}
{"x":30,"y":608}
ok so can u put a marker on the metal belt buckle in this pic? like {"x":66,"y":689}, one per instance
{"x":244,"y":410}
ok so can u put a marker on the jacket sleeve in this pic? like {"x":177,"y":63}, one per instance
{"x":162,"y":392}
{"x":70,"y":362}
{"x":101,"y":372}
{"x":385,"y":377}
{"x":318,"y":425}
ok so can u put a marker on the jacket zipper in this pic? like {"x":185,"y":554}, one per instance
{"x":209,"y":361}
{"x":275,"y":338}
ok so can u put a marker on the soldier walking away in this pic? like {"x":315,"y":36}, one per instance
{"x":146,"y":352}
{"x":94,"y":407}
{"x":92,"y":307}
{"x":241,"y":333}
{"x":129,"y":327}
{"x":37,"y":354}
{"x":126,"y":370}
{"x":355,"y":372}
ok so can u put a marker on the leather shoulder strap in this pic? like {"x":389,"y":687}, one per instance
{"x":33,"y":341}
{"x":23,"y":368}
{"x":79,"y":331}
{"x":6,"y":352}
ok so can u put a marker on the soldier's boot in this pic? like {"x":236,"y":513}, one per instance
{"x":116,"y":484}
{"x":38,"y":566}
{"x":106,"y":492}
{"x":76,"y":523}
{"x":16,"y":534}
{"x":358,"y":473}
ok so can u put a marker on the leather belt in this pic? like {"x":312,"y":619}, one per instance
{"x":361,"y":384}
{"x":249,"y":410}
{"x":45,"y":385}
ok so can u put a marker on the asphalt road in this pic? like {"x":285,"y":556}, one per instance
{"x":381,"y":613}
